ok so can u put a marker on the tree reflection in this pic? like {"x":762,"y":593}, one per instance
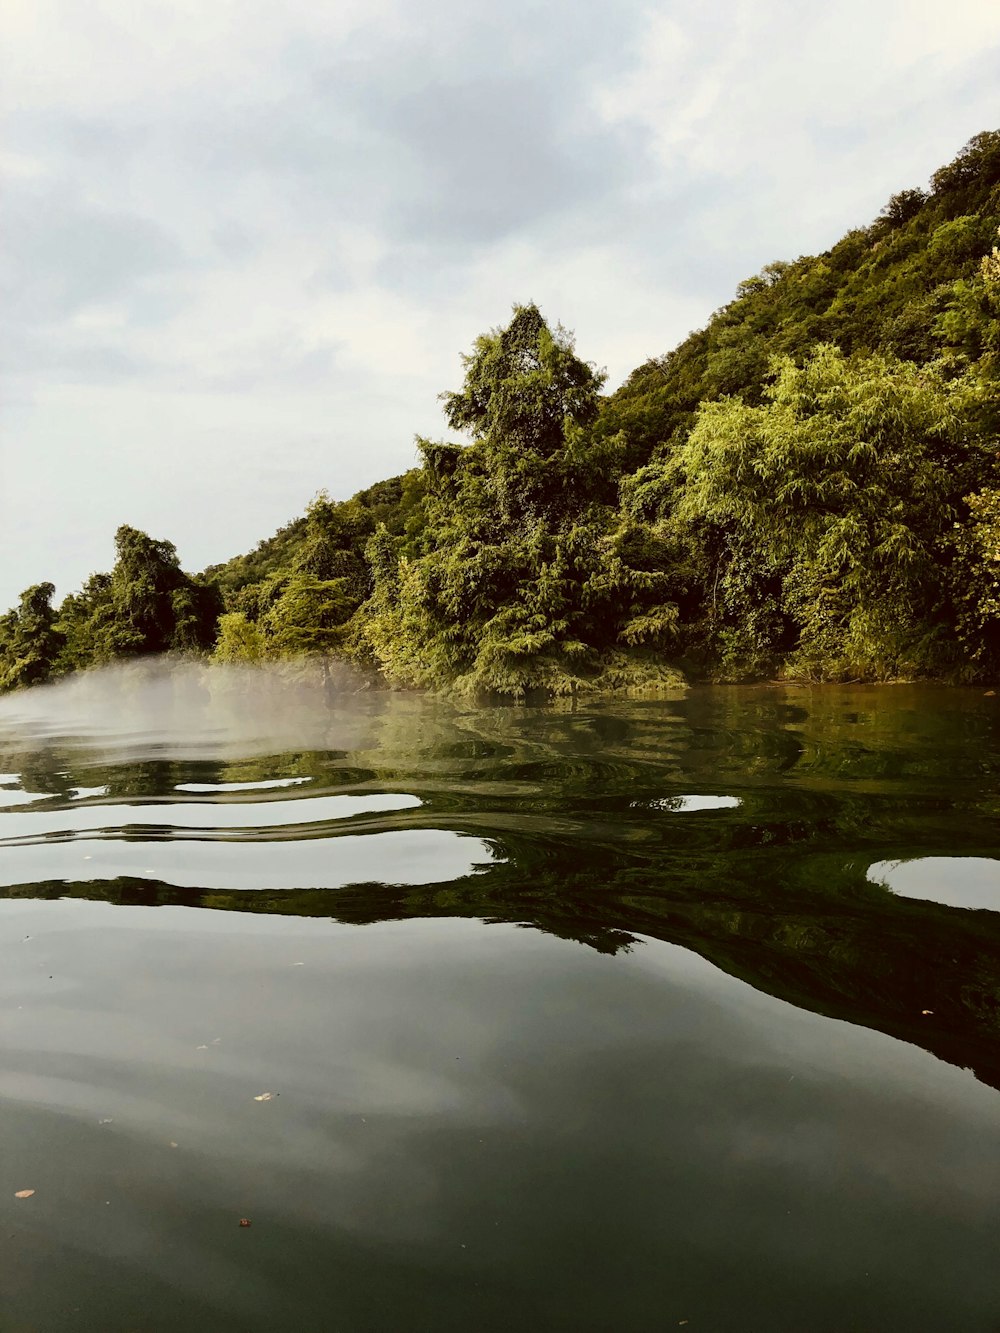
{"x":594,"y":844}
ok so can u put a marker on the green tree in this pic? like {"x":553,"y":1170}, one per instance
{"x":846,"y":486}
{"x":80,"y":616}
{"x":239,"y":639}
{"x":308,"y":616}
{"x":977,"y":581}
{"x":286,"y":615}
{"x":970,"y":324}
{"x":525,"y":578}
{"x":30,"y":640}
{"x":151,"y":605}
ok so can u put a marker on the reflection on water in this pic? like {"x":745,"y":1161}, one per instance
{"x":957,"y":881}
{"x":198,"y":815}
{"x":603,"y":1017}
{"x":201,"y":815}
{"x":239,"y":786}
{"x":394,"y":857}
{"x":690,"y":803}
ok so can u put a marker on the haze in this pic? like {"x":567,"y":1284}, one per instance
{"x":164,"y":708}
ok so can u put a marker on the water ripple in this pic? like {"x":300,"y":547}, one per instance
{"x":204,"y":816}
{"x":396,"y":856}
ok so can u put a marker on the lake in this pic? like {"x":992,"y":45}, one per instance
{"x":630,"y":1015}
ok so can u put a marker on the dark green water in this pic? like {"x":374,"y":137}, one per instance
{"x":599,"y":1019}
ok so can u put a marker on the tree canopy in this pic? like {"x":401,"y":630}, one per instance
{"x":524,"y":577}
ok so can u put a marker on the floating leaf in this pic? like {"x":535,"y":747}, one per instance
{"x":244,"y":1221}
{"x":24,"y":1194}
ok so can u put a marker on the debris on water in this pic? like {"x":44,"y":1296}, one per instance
{"x":23,"y":1194}
{"x":106,"y":1121}
{"x":244,"y":1221}
{"x":927,"y":1011}
{"x":266,"y":1096}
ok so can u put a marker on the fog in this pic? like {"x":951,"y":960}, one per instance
{"x":163,"y":707}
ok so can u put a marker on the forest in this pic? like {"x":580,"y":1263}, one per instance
{"x":808,"y":488}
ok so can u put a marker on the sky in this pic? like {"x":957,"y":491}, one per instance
{"x":245,"y":243}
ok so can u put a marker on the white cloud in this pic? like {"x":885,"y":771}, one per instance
{"x":251,"y":240}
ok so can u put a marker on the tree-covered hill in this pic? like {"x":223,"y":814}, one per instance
{"x":808,"y":486}
{"x":352,"y":522}
{"x":908,"y":285}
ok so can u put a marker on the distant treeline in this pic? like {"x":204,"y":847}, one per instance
{"x":807,"y":487}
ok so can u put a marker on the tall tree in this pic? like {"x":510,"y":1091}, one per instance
{"x":524,"y":578}
{"x":30,"y":641}
{"x":147,"y":604}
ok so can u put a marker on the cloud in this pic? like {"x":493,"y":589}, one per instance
{"x":248,"y":242}
{"x":62,"y":255}
{"x":493,"y":157}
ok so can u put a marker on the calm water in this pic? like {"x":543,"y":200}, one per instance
{"x":634,"y":1016}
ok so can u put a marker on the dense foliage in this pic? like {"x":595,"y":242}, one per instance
{"x":147,"y":604}
{"x":808,"y":486}
{"x":298,"y":591}
{"x":524,"y":576}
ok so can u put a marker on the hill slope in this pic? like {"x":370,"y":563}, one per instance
{"x":810,"y":485}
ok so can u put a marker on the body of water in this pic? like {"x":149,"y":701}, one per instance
{"x":627,"y":1016}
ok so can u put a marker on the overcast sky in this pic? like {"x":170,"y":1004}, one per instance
{"x":245,"y":241}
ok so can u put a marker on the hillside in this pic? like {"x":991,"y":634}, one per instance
{"x":888,"y":287}
{"x":808,"y":486}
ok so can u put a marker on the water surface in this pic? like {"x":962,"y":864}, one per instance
{"x":607,"y":1017}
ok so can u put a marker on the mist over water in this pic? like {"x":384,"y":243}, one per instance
{"x":167,"y":705}
{"x":606,"y":1015}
